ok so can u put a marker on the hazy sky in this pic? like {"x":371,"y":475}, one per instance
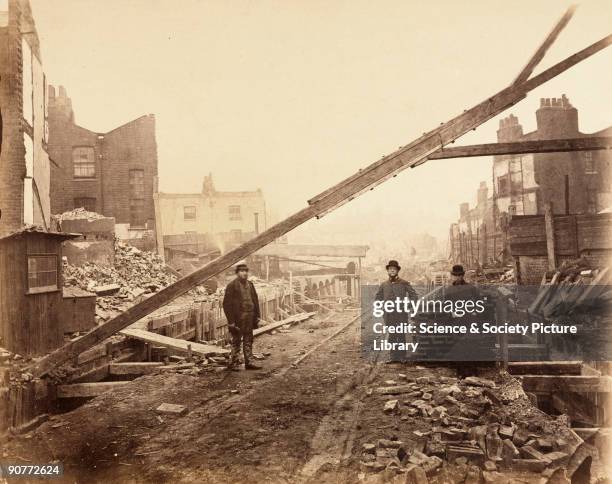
{"x":293,"y":95}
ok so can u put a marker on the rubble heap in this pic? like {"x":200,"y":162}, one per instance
{"x":77,"y":214}
{"x":458,"y":429}
{"x":134,"y":274}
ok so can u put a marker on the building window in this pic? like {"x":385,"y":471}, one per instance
{"x":503,"y":185}
{"x":88,"y":203}
{"x":236,"y":235}
{"x":84,"y":162}
{"x":589,"y":163}
{"x":137,"y":214}
{"x":42,"y":273}
{"x":137,"y":184}
{"x":189,"y":213}
{"x":234,"y":212}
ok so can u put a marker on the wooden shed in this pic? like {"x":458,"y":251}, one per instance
{"x":31,"y":291}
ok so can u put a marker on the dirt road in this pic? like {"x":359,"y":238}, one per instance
{"x":287,"y":423}
{"x":261,"y":426}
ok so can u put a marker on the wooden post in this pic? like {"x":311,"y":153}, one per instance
{"x":550,"y":236}
{"x":501,"y":317}
{"x":359,"y":279}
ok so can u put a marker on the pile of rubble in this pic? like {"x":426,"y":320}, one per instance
{"x":470,"y":430}
{"x":135,"y":273}
{"x":77,"y":214}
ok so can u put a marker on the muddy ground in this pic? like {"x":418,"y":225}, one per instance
{"x":285,"y":423}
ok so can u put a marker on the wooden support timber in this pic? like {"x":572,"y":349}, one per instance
{"x":134,"y":368}
{"x":589,"y":143}
{"x":296,"y":318}
{"x":576,"y":384}
{"x":548,"y":41}
{"x":82,"y":390}
{"x":366,"y":179}
{"x":174,"y":343}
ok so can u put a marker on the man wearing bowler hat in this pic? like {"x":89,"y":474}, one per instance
{"x":457,"y":275}
{"x":395,"y":287}
{"x":241,"y":307}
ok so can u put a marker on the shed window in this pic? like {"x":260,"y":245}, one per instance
{"x":42,"y":273}
{"x":84,"y":162}
{"x":234,"y":212}
{"x":189,"y":212}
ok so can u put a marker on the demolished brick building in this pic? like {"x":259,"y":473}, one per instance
{"x":24,"y":161}
{"x":578,"y":182}
{"x":109,"y":173}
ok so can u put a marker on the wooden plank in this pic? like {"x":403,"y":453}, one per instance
{"x":346,"y":190}
{"x":578,"y":408}
{"x":577,"y":384}
{"x":545,"y":368}
{"x":296,"y":318}
{"x":525,"y":147}
{"x":173,"y":343}
{"x":88,"y":389}
{"x":134,"y":368}
{"x":548,"y":41}
{"x":313,"y":250}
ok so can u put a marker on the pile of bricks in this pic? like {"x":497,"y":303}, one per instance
{"x":470,"y":430}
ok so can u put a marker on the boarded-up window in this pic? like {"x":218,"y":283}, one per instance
{"x":42,"y":273}
{"x":234,"y":212}
{"x":189,"y":212}
{"x":137,"y":213}
{"x":84,"y":162}
{"x":137,"y":189}
{"x":137,"y":195}
{"x":88,"y":203}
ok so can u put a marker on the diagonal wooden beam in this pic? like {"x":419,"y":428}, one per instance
{"x":591,"y":143}
{"x":417,"y":152}
{"x":345,"y":191}
{"x":548,"y":41}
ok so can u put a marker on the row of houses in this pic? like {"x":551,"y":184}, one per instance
{"x":573,"y":183}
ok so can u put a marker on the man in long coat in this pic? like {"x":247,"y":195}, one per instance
{"x":241,"y":307}
{"x":395,"y":287}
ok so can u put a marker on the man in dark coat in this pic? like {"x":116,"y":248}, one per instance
{"x":458,"y":275}
{"x":241,"y":308}
{"x":389,"y":290}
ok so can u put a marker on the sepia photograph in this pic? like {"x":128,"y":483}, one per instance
{"x":306,"y":241}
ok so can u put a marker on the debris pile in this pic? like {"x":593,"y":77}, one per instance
{"x":134,"y":274}
{"x":77,"y":214}
{"x":458,"y":429}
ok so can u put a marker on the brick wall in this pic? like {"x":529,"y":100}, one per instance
{"x":131,"y":146}
{"x":12,"y":154}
